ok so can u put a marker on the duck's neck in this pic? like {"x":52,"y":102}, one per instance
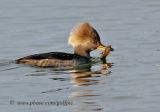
{"x":81,"y":51}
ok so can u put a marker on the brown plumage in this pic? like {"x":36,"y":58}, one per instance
{"x":84,"y":38}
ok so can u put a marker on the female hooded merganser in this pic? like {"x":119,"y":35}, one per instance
{"x":83,"y":38}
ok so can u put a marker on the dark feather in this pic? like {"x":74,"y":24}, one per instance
{"x":53,"y":59}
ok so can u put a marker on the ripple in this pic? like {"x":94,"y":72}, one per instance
{"x":6,"y":65}
{"x":55,"y":90}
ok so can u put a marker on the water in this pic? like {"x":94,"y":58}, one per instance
{"x":35,"y":26}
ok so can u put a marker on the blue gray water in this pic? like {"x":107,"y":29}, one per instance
{"x":132,"y":27}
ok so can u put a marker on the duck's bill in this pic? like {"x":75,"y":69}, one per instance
{"x":102,"y":47}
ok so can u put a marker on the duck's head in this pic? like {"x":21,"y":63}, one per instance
{"x":84,"y":39}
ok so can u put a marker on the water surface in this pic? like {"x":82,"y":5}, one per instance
{"x":35,"y":26}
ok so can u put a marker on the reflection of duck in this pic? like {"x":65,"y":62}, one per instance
{"x":84,"y":39}
{"x":81,"y":76}
{"x":86,"y":96}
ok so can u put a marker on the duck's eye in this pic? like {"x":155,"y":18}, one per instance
{"x":94,"y":41}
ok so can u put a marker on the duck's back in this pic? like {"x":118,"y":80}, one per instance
{"x":53,"y":59}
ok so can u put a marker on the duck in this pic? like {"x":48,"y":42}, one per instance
{"x":83,"y":38}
